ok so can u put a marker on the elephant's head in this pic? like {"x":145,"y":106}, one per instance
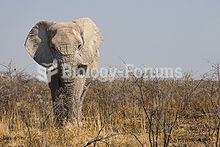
{"x":75,"y":43}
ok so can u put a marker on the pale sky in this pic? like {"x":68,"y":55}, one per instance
{"x":150,"y":33}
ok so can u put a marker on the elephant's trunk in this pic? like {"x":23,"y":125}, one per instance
{"x":72,"y":89}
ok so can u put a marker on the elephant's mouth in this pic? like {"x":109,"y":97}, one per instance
{"x":81,"y":69}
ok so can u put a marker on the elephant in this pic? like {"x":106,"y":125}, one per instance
{"x":75,"y":43}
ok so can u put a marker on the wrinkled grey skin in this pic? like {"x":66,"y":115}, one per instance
{"x":75,"y":43}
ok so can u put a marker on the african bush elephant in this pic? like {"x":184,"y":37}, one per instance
{"x":74,"y":43}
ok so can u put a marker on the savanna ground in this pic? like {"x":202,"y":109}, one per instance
{"x":129,"y":112}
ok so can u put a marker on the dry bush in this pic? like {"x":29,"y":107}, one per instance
{"x":137,"y":112}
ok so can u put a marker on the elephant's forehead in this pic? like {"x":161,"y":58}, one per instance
{"x":65,"y":33}
{"x":64,"y":25}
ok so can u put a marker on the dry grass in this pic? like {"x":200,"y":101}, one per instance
{"x":134,"y":112}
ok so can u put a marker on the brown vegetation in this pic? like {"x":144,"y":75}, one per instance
{"x":137,"y":112}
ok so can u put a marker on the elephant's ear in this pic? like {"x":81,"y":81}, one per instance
{"x":37,"y":43}
{"x":91,"y":33}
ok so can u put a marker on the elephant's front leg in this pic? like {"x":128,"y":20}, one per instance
{"x":59,"y":109}
{"x":80,"y":104}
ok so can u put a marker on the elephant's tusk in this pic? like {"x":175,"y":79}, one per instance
{"x":53,"y":67}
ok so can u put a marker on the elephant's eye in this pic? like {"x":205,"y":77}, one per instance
{"x":80,"y":46}
{"x":53,"y":47}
